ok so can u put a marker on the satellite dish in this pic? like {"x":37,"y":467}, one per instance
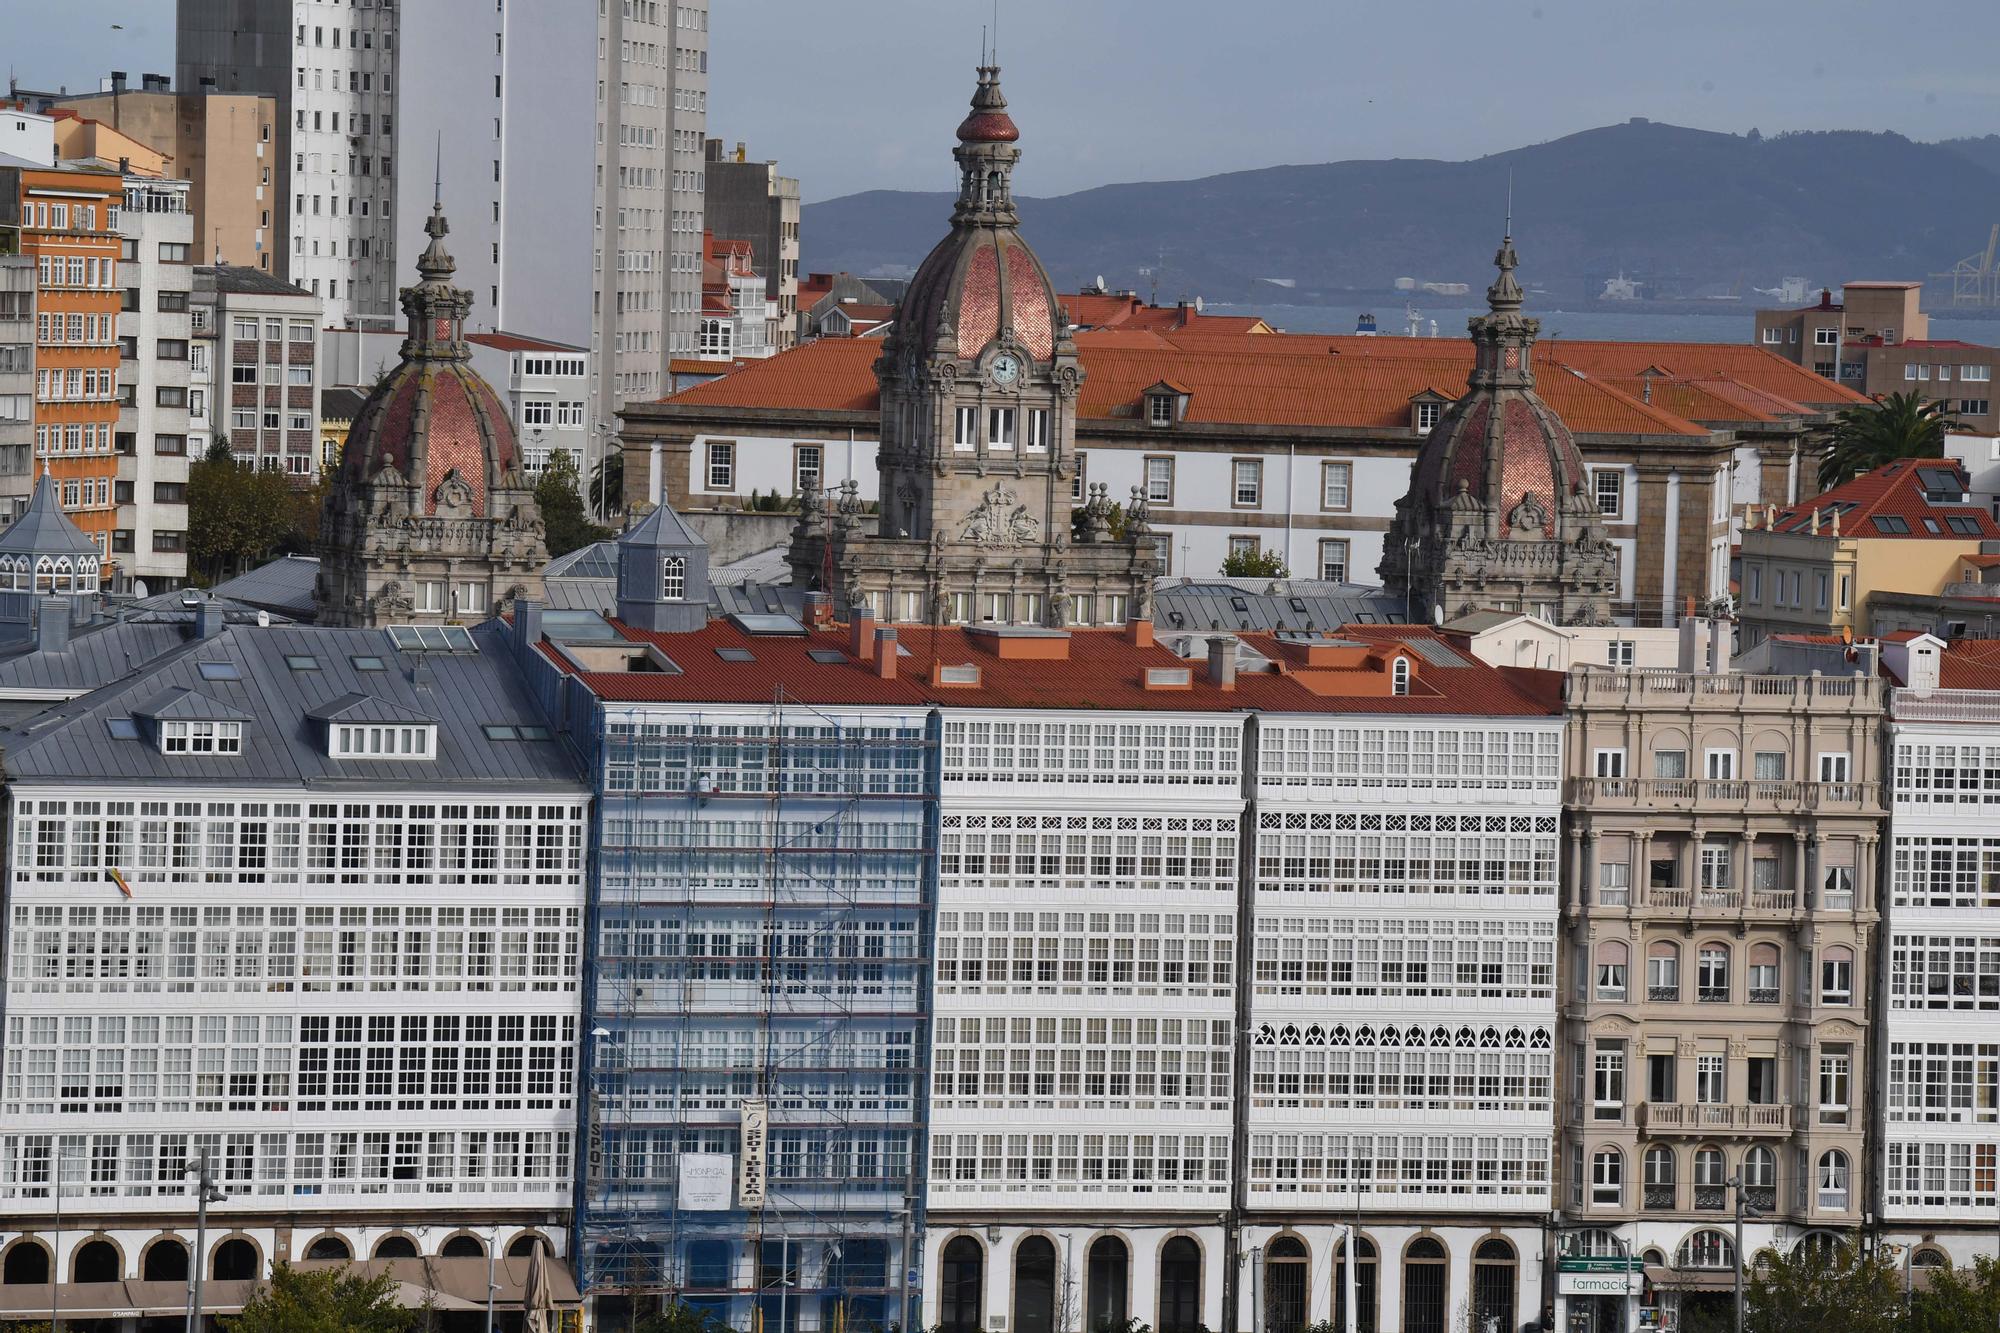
{"x":1437,"y":615}
{"x":1100,"y":282}
{"x":1197,"y":305}
{"x":139,"y":588}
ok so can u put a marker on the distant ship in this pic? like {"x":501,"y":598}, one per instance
{"x":1620,"y":288}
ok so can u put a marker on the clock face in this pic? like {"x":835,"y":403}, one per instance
{"x":1005,"y":370}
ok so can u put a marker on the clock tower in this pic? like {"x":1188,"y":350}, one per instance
{"x":982,"y":517}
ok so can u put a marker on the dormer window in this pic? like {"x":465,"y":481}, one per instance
{"x":201,"y":738}
{"x":1427,"y":416}
{"x":1160,"y":409}
{"x":673,"y":578}
{"x":1399,"y":676}
{"x":380,"y":742}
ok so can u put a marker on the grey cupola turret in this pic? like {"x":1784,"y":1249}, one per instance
{"x":663,"y":575}
{"x":44,"y":556}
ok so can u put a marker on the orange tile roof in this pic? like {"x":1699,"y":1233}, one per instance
{"x":1103,"y":670}
{"x":520,"y":342}
{"x":1893,"y":491}
{"x":1313,"y":380}
{"x":1970,"y":664}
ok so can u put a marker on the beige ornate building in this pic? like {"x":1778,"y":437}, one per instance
{"x":1721,"y":906}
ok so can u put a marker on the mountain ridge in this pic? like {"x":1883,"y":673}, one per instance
{"x":1688,"y":212}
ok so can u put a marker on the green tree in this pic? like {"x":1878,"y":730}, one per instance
{"x":1958,"y":1300}
{"x":238,"y":514}
{"x":1901,"y":425}
{"x":1820,"y":1287}
{"x":1254,"y":564}
{"x":564,"y":522}
{"x":608,"y":482}
{"x":324,"y":1300}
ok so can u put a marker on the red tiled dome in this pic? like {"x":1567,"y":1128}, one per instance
{"x":442,"y":411}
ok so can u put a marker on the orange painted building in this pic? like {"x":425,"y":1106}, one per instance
{"x":67,"y":229}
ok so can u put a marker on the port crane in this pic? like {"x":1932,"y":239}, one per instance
{"x":1973,"y":279}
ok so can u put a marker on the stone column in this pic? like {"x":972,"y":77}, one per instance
{"x":1697,"y":501}
{"x":1642,"y":869}
{"x":1649,"y":549}
{"x":1799,"y":889}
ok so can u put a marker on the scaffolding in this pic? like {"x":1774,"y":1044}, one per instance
{"x":762,"y":930}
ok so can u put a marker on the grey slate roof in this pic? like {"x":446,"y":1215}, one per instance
{"x":586,"y":579}
{"x":1270,"y":604}
{"x":71,"y":743}
{"x":357,"y":707}
{"x":242,"y":278}
{"x":284,"y":584}
{"x":95,"y":656}
{"x":340,"y":402}
{"x":662,"y":527}
{"x":43,"y":528}
{"x":181,"y":704}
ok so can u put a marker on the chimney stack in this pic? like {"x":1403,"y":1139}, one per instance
{"x":1139,"y":632}
{"x":51,"y":624}
{"x":1222,"y":661}
{"x":117,"y":82}
{"x":885,"y":652}
{"x":208,"y":619}
{"x":860,"y":634}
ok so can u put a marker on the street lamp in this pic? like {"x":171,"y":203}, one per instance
{"x":206,"y":1193}
{"x":1743,"y":1210}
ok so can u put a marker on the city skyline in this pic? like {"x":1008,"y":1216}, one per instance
{"x":1065,"y":68}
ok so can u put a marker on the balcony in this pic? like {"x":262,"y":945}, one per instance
{"x":1698,"y":689}
{"x":1724,"y":797}
{"x":1704,"y":1118}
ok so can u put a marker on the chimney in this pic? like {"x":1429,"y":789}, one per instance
{"x":527,"y":625}
{"x":208,"y":620}
{"x":155,"y":83}
{"x":1826,"y":298}
{"x":207,"y":84}
{"x":117,"y":82}
{"x":860,"y":634}
{"x":819,"y":609}
{"x":51,"y":624}
{"x":1139,"y":632}
{"x":1690,"y":646}
{"x":1721,"y":637}
{"x":885,"y":652}
{"x":124,"y":166}
{"x":1222,"y":661}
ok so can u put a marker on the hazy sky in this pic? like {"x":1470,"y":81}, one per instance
{"x":861,"y":94}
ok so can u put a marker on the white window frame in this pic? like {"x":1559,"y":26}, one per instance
{"x":720,"y":473}
{"x":1616,"y":476}
{"x":1038,"y":430}
{"x":1159,"y":479}
{"x":1000,"y":428}
{"x":1718,"y":765}
{"x":407,"y":741}
{"x":965,"y":429}
{"x":1336,"y":486}
{"x":1335,"y":552}
{"x":203,"y":736}
{"x":673,"y":578}
{"x":1608,"y":761}
{"x":1246,"y":476}
{"x":1835,"y":766}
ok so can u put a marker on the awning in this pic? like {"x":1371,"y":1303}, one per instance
{"x":448,"y":1284}
{"x":1691,"y":1279}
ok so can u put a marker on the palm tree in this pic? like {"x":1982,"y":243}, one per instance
{"x":1902,"y":425}
{"x":608,"y":485}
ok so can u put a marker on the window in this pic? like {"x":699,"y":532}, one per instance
{"x":1774,"y":335}
{"x":1768,"y":765}
{"x":1845,"y":583}
{"x":1762,"y":1081}
{"x":1241,"y":544}
{"x":1826,"y":337}
{"x":538,"y":412}
{"x":1607,"y":1178}
{"x":1038,"y":430}
{"x":381,"y":741}
{"x":1333,"y":559}
{"x":1836,"y":976}
{"x":1248,"y":483}
{"x":201,"y":737}
{"x":1160,"y":409}
{"x":1609,"y":763}
{"x":1623,"y":653}
{"x":1427,"y":417}
{"x":1833,"y":1180}
{"x":1000,"y":427}
{"x":1670,"y":765}
{"x":1835,"y":1070}
{"x":430,"y":596}
{"x":1608,"y":1081}
{"x":1612,"y":963}
{"x":1712,"y":974}
{"x":174,"y":252}
{"x":1608,"y":484}
{"x":965,"y":428}
{"x":1711,"y":1079}
{"x":1399,"y":676}
{"x":1833,"y":766}
{"x":171,"y":349}
{"x":1336,"y":485}
{"x":1660,"y":1077}
{"x":1159,"y":480}
{"x":1720,"y":765}
{"x":673,"y":578}
{"x":807,"y":468}
{"x":469,"y":599}
{"x":1763,"y":979}
{"x":721,"y":465}
{"x":1755,"y":592}
{"x":1663,"y":972}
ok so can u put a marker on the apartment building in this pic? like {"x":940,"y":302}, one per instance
{"x":17,"y":371}
{"x":750,"y":201}
{"x":155,"y":341}
{"x":738,"y":321}
{"x":1720,"y":920}
{"x":546,"y":386}
{"x":265,"y":369}
{"x":1876,"y":339}
{"x":361,"y":1011}
{"x":69,"y":230}
{"x":1937,"y":1099}
{"x":1904,"y":530}
{"x":225,"y":145}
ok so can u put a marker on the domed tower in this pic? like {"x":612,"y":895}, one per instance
{"x":1499,"y":514}
{"x":978,"y":384}
{"x":429,"y":517}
